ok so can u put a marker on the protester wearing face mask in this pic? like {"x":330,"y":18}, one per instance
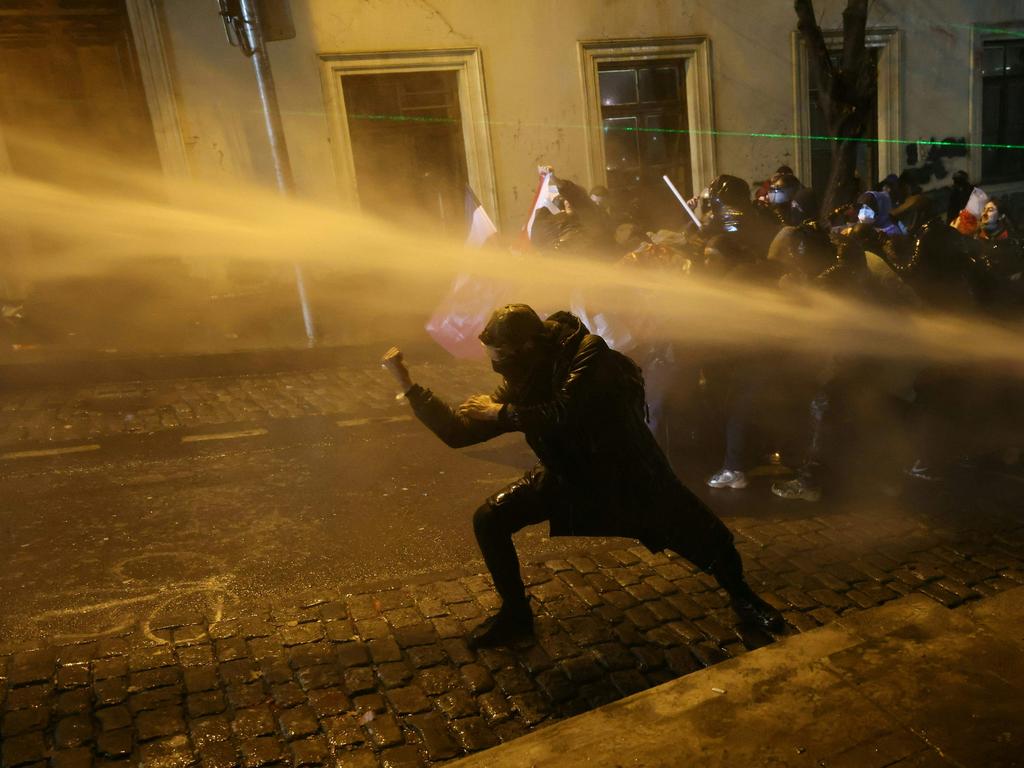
{"x":761,"y":195}
{"x":874,"y":208}
{"x":782,"y":192}
{"x":994,"y":223}
{"x":866,"y":213}
{"x":581,"y":408}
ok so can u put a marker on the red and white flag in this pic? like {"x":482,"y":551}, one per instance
{"x":546,"y":193}
{"x":464,"y":310}
{"x":481,"y":228}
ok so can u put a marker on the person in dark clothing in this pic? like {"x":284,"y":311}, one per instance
{"x":778,"y":203}
{"x":805,"y":206}
{"x":736,"y":233}
{"x":959,"y":194}
{"x":892,"y":187}
{"x":943,"y":268}
{"x":580,"y":406}
{"x":761,"y":195}
{"x":727,"y":206}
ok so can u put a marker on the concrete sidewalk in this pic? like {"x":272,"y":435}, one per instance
{"x":910,"y":684}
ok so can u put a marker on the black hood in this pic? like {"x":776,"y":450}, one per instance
{"x":561,"y":336}
{"x":564,"y":331}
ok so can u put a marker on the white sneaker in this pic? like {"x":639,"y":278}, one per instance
{"x":728,"y":478}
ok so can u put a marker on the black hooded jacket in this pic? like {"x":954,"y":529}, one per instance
{"x":581,"y":410}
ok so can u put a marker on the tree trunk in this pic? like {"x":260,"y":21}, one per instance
{"x":842,"y":180}
{"x":849,"y":130}
{"x":846,"y":91}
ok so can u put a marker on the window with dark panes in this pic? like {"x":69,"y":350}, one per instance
{"x":408,"y":147}
{"x":1002,"y":108}
{"x":643,"y":114}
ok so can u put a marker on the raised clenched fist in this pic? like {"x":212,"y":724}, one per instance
{"x":394,"y":364}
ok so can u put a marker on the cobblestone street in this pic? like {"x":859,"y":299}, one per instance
{"x":58,"y":414}
{"x":385,"y":678}
{"x":323,"y":322}
{"x":382,"y":676}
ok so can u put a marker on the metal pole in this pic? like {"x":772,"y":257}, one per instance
{"x":275,"y":132}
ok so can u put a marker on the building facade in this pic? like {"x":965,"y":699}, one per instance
{"x":388,"y":101}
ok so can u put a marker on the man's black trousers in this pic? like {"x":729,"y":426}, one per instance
{"x":529,"y":501}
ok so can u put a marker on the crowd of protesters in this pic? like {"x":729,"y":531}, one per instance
{"x":823,"y":416}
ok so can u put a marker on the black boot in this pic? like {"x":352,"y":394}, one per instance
{"x":727,"y":569}
{"x":751,"y":609}
{"x":510,"y":623}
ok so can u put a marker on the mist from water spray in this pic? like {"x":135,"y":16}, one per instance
{"x":107,"y":217}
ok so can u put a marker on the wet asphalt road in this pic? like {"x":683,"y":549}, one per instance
{"x":98,"y":541}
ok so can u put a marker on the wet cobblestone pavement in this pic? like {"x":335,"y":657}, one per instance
{"x":384,"y":678}
{"x":56,"y":414}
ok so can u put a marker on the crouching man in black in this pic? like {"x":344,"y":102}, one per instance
{"x":581,"y":408}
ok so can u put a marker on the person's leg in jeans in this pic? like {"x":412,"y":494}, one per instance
{"x":743,"y":405}
{"x":737,"y":428}
{"x":821,"y":411}
{"x":807,"y":484}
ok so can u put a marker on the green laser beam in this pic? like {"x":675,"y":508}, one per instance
{"x":406,"y":118}
{"x":1002,"y":31}
{"x":812,"y":137}
{"x":744,"y":134}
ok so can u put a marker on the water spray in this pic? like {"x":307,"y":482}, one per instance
{"x":243,"y":24}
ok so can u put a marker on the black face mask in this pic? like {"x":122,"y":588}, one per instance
{"x":516,"y":367}
{"x":510,"y":367}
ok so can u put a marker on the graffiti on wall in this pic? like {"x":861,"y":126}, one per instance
{"x":933,"y":166}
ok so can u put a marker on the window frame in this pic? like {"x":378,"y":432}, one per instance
{"x":468,"y":65}
{"x":980,"y":34}
{"x":145,"y":23}
{"x":695,"y":54}
{"x":889,"y":42}
{"x":144,"y":19}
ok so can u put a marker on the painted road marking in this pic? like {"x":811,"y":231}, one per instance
{"x":224,"y":435}
{"x":50,"y":451}
{"x":372,"y":420}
